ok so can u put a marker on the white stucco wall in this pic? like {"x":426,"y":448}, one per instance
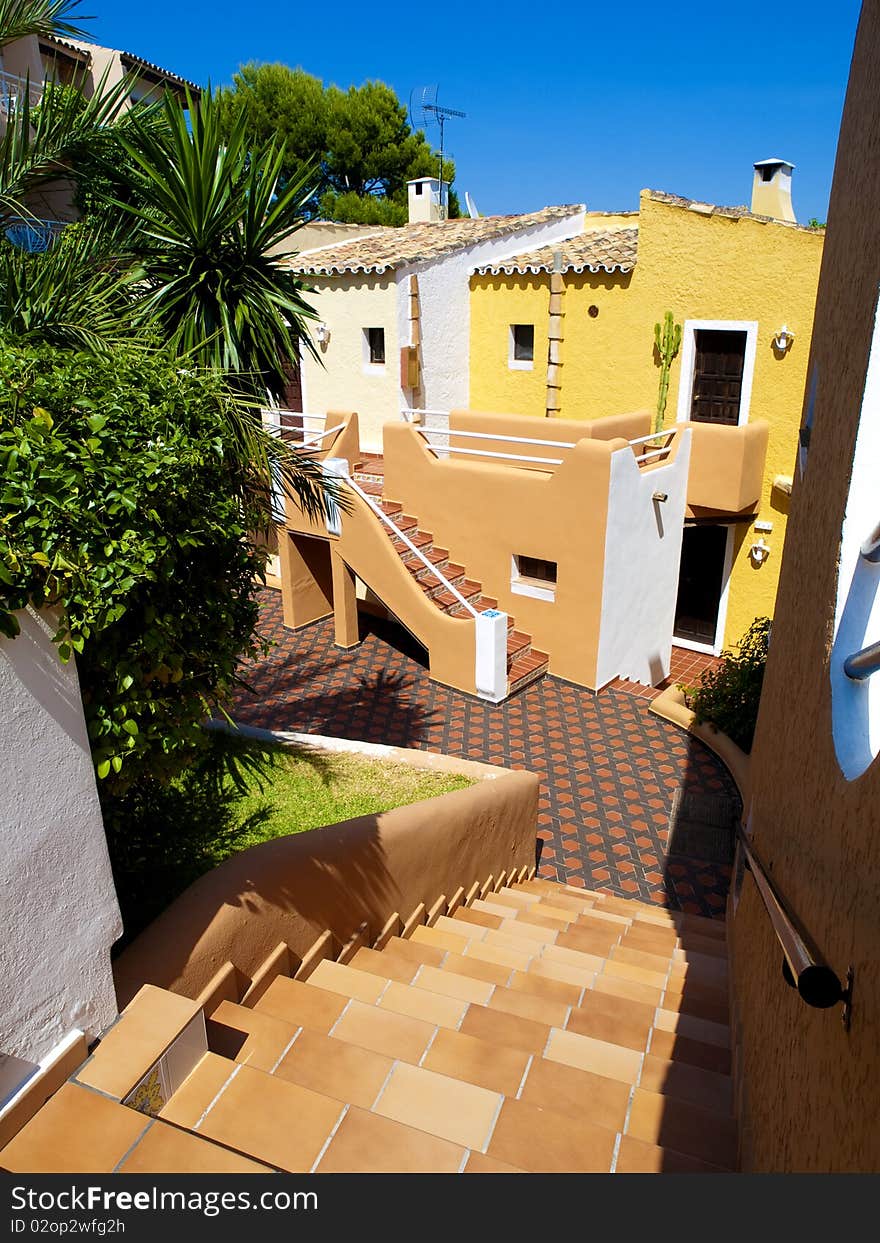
{"x":855,"y":703}
{"x":341,"y":380}
{"x":642,"y":555}
{"x":60,"y":915}
{"x":444,"y":298}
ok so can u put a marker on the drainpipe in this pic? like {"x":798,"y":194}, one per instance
{"x":555,"y":336}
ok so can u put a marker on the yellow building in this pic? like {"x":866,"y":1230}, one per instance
{"x":568,"y":332}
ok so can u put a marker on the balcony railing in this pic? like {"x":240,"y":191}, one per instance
{"x":34,"y":236}
{"x":14,"y":90}
{"x":727,"y":466}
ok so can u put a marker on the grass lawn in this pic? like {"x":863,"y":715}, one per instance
{"x":162,"y":838}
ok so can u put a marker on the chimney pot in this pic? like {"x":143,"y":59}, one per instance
{"x":771,"y":190}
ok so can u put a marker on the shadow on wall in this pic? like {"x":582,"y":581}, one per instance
{"x":53,"y":685}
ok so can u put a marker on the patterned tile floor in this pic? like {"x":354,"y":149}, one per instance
{"x":608,"y":768}
{"x":685,"y":666}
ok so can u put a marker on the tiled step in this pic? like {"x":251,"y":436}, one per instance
{"x":527,"y":669}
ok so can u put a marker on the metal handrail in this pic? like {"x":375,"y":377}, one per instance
{"x":410,"y":545}
{"x":862,"y":664}
{"x":666,"y":431}
{"x":521,"y":440}
{"x":317,"y":438}
{"x":803,"y":967}
{"x":509,"y":457}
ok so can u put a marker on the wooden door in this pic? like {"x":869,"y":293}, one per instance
{"x":718,"y":373}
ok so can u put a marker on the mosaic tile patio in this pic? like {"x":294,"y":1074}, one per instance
{"x":608,"y":768}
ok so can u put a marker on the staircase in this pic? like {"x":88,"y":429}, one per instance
{"x":523,"y":1027}
{"x":525,"y":664}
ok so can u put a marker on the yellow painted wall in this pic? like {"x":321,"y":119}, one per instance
{"x":699,"y":267}
{"x":348,"y":305}
{"x":496,"y":303}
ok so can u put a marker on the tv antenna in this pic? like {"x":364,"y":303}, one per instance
{"x":425,"y":110}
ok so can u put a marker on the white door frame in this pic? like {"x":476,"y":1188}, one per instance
{"x":716,"y":646}
{"x":689,"y":357}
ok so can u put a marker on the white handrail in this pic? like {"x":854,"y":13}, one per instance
{"x":410,"y":545}
{"x":417,"y":410}
{"x":666,"y":431}
{"x":510,"y":457}
{"x":318,"y":438}
{"x":521,"y":440}
{"x":646,"y":457}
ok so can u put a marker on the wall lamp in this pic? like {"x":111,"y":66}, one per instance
{"x":322,"y":334}
{"x":783,"y":338}
{"x":759,"y":551}
{"x":660,"y":496}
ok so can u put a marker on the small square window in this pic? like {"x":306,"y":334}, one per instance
{"x":522,"y":346}
{"x":375,"y":343}
{"x":533,"y":576}
{"x":419,"y":187}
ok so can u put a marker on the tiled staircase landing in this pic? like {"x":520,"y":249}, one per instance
{"x":535,"y":1028}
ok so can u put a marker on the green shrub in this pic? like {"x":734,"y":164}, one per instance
{"x":126,"y":503}
{"x":728,"y":696}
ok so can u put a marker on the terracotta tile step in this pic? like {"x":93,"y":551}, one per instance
{"x":406,"y":523}
{"x":451,"y":604}
{"x":421,"y":539}
{"x":518,"y":643}
{"x":437,"y":557}
{"x":368,"y":486}
{"x":527,"y":669}
{"x":391,"y":508}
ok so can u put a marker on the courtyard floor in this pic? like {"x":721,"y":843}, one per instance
{"x":609,"y":769}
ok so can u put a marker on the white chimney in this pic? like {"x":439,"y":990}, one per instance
{"x":428,"y":204}
{"x":771,"y":190}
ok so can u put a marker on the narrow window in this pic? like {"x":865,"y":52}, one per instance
{"x":718,"y":376}
{"x":375,"y":338}
{"x":522,"y":345}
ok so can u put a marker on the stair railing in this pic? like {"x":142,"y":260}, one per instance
{"x":803,"y":967}
{"x":510,"y":457}
{"x":490,"y":626}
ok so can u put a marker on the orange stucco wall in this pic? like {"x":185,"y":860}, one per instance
{"x":811,"y":1090}
{"x":294,"y":888}
{"x":484,"y":514}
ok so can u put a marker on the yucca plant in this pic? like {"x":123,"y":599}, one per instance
{"x":213,"y":220}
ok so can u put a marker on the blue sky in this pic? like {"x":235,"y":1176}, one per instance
{"x":576,"y":103}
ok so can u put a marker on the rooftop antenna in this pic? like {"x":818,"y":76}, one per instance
{"x":425,"y":111}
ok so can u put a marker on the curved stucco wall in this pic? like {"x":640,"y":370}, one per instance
{"x":293,"y":888}
{"x":60,"y":914}
{"x":812,"y":1091}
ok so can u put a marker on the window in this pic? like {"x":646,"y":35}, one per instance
{"x":522,"y":346}
{"x":419,"y":187}
{"x":374,"y":340}
{"x":533,"y":576}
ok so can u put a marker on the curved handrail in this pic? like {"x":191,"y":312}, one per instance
{"x":410,"y":545}
{"x":803,"y":967}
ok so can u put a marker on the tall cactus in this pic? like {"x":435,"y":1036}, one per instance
{"x":668,"y":342}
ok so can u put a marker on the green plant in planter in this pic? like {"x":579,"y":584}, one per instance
{"x":667,"y":340}
{"x":728,"y":697}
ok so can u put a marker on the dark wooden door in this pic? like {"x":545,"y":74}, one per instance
{"x":718,"y":373}
{"x":292,"y":396}
{"x":700,"y":583}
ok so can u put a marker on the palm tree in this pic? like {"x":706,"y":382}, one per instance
{"x":214,"y":216}
{"x":191,"y":269}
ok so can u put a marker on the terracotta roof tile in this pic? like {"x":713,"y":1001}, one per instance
{"x":415,"y":242}
{"x":712,"y":209}
{"x":613,"y":250}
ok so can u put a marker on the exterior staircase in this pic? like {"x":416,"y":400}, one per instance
{"x":522,"y":1027}
{"x":525,"y":664}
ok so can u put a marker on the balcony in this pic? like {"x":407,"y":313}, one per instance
{"x":727,"y":466}
{"x":13,"y":91}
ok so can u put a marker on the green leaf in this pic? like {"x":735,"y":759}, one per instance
{"x":43,"y":417}
{"x":130,"y":727}
{"x":104,"y":769}
{"x":95,"y":422}
{"x":116,"y":761}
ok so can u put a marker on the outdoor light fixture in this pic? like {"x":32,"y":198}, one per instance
{"x":783,"y":338}
{"x":759,"y":551}
{"x":660,"y":496}
{"x":322,"y":334}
